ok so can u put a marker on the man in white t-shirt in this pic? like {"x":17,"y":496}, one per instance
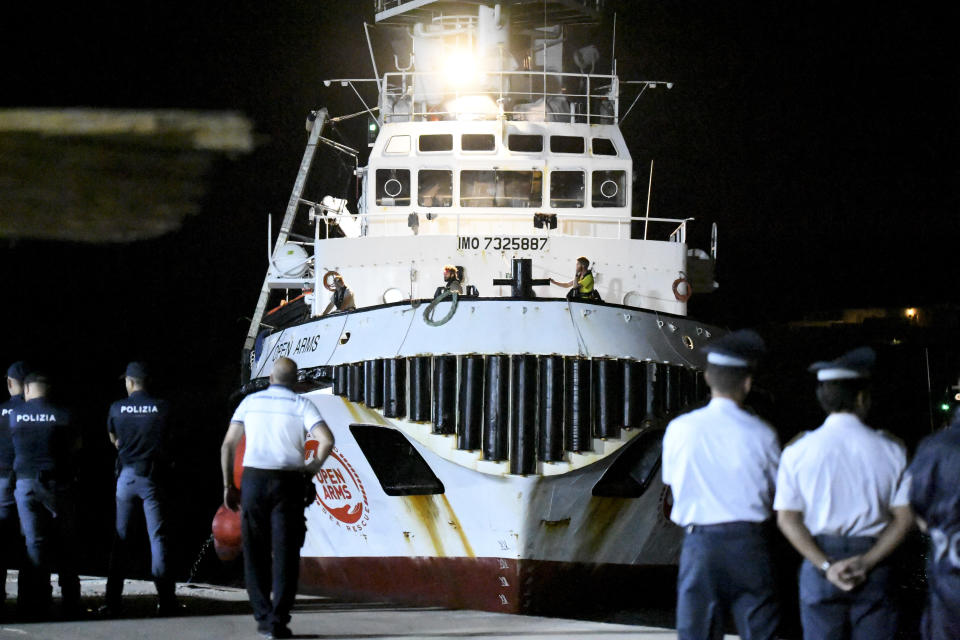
{"x":843,"y":503}
{"x":276,"y":422}
{"x":721,"y":463}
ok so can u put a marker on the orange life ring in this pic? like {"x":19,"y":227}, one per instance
{"x":682,"y":297}
{"x":328,"y":280}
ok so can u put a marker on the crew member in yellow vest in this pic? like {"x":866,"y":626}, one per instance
{"x":582,"y":281}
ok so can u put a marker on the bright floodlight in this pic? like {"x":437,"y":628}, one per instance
{"x":460,"y":68}
{"x":472,"y":107}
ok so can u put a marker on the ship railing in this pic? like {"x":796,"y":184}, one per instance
{"x":383,"y":5}
{"x":565,"y":9}
{"x":535,"y":96}
{"x":468,"y":223}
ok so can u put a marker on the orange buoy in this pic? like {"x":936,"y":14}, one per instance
{"x":227,"y":535}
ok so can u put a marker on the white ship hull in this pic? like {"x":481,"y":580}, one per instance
{"x":482,"y":535}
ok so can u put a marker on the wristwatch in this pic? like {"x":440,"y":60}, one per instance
{"x":825,"y":566}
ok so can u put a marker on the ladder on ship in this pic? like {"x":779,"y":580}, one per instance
{"x":282,"y":236}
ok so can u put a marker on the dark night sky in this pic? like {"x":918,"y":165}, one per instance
{"x":821,"y":137}
{"x":822,"y":141}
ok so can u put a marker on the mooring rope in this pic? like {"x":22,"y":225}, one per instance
{"x":428,"y":312}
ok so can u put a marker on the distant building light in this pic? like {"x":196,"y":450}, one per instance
{"x":911,"y":312}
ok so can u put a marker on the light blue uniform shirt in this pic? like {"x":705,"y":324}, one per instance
{"x":721,"y":464}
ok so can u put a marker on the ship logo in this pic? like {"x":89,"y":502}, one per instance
{"x":341,"y":493}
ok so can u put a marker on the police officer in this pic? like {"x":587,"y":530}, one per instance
{"x":842,"y":502}
{"x":45,"y":443}
{"x":720,"y":463}
{"x":275,"y":422}
{"x":139,"y":429}
{"x":10,"y":541}
{"x":935,"y":497}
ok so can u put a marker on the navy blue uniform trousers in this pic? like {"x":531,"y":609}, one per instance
{"x":47,"y":509}
{"x":134,"y":490}
{"x":828,"y":613}
{"x":273,"y":528}
{"x":941,"y":618}
{"x":727,"y":568}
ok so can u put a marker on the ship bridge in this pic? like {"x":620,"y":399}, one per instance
{"x":472,"y":177}
{"x":498,"y":143}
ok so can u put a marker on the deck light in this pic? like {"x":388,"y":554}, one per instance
{"x":911,"y":312}
{"x":460,"y":68}
{"x":472,"y":107}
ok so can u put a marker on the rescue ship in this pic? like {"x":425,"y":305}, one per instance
{"x":497,"y":449}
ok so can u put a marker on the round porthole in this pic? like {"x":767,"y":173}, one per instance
{"x":392,"y":295}
{"x":392,"y":187}
{"x":609,"y":189}
{"x":688,"y":342}
{"x":345,"y":338}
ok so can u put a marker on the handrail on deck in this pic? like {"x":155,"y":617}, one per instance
{"x":585,"y":97}
{"x":329,"y":216}
{"x":576,"y":92}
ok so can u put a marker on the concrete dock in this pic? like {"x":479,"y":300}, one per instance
{"x":223,"y":612}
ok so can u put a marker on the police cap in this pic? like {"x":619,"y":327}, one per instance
{"x":743,"y":349}
{"x":136,"y":370}
{"x":17,"y":371}
{"x":852,"y":365}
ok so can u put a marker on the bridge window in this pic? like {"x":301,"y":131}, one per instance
{"x":522,"y":189}
{"x":477,"y":142}
{"x":524,"y":143}
{"x":609,"y":189}
{"x":398,"y":145}
{"x":393,"y":187}
{"x":436,"y":142}
{"x":566,"y":144}
{"x":567,"y":189}
{"x":603,"y":147}
{"x":435,"y":188}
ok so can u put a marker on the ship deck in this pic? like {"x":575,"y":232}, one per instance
{"x":223,"y":612}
